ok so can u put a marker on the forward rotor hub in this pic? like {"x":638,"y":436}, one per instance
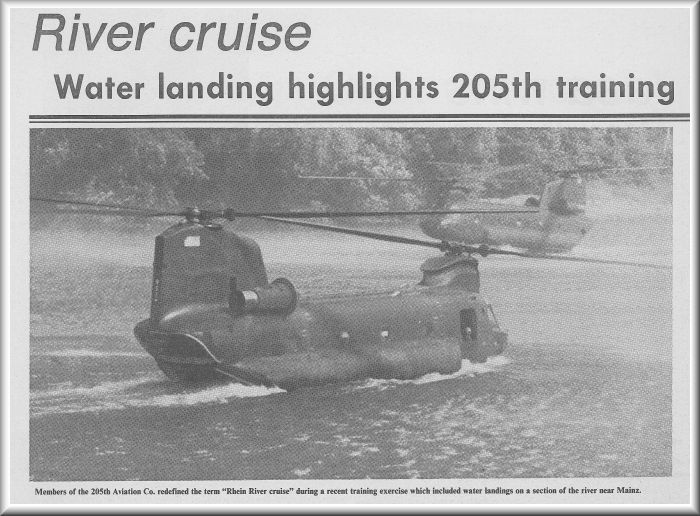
{"x":203,"y":217}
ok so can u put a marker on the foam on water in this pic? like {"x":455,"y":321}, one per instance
{"x":146,"y":391}
{"x":213,"y":394}
{"x":467,"y":369}
{"x":154,"y":391}
{"x":67,"y":391}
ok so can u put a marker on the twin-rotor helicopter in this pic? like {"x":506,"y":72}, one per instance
{"x":215,"y":315}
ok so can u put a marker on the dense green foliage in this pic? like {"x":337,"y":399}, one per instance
{"x":255,"y":169}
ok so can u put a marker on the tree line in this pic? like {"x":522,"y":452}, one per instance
{"x":259,"y":169}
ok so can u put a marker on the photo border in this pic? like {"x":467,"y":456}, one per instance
{"x":8,"y":259}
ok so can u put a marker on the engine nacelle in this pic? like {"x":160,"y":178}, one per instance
{"x":456,"y":270}
{"x":279,"y":297}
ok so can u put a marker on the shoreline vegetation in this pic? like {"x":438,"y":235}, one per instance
{"x":260,"y":169}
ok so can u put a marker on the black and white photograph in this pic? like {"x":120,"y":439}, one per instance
{"x":211,"y":304}
{"x":306,"y":257}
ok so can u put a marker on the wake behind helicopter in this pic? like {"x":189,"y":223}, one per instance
{"x":214,"y":314}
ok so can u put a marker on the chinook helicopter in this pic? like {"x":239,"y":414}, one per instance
{"x":554,"y":222}
{"x":215,"y":315}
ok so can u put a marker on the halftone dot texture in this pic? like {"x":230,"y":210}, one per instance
{"x":584,"y":389}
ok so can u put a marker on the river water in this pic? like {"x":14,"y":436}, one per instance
{"x":584,"y":388}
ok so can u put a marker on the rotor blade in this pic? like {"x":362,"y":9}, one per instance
{"x":366,"y":234}
{"x":483,"y":250}
{"x":384,"y":179}
{"x":594,"y":260}
{"x":486,"y":250}
{"x":94,"y":208}
{"x":127,"y":212}
{"x":230,"y":214}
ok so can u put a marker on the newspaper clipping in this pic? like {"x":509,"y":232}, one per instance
{"x":300,"y":255}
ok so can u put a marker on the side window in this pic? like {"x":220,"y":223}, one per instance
{"x":467,"y":323}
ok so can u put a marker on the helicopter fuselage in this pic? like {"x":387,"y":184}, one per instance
{"x":214,"y":315}
{"x":556,"y":224}
{"x":538,"y":231}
